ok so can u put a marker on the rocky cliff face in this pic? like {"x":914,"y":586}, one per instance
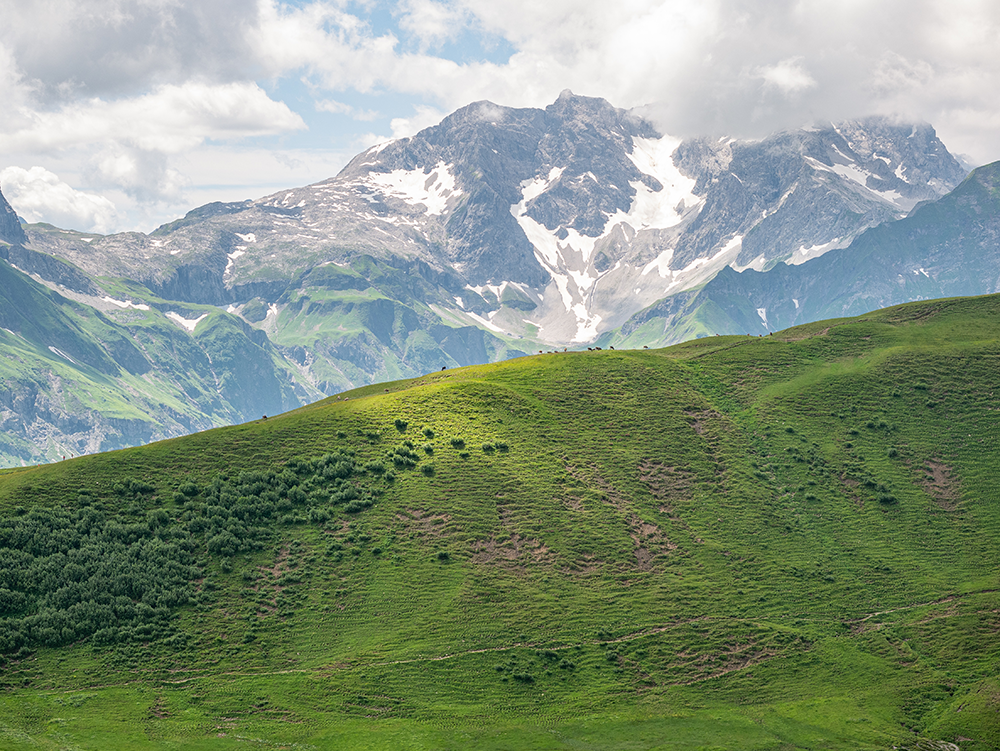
{"x":946,"y":248}
{"x":10,"y":226}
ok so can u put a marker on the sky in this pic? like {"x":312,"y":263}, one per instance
{"x":121,"y":115}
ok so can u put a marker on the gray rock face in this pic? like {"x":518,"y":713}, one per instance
{"x":946,"y":248}
{"x":10,"y":227}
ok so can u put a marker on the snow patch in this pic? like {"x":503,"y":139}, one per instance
{"x":803,"y":254}
{"x":668,"y":206}
{"x":796,"y":303}
{"x":661,"y":263}
{"x":416,"y":187}
{"x":240,"y":250}
{"x":57,"y":351}
{"x":762,"y":312}
{"x":852,"y":172}
{"x":188,"y":323}
{"x":249,"y":237}
{"x":125,"y":303}
{"x":485,"y":322}
{"x":757,"y":264}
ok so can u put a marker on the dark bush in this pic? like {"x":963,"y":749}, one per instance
{"x":458,"y":443}
{"x":401,"y":425}
{"x":189,"y":489}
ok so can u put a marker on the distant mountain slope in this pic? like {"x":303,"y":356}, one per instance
{"x":789,"y":543}
{"x":77,"y":380}
{"x":945,"y":248}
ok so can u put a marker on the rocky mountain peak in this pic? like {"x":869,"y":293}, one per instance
{"x":10,"y":225}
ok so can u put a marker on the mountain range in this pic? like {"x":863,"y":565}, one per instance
{"x":497,"y":233}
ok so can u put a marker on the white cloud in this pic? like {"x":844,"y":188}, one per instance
{"x":38,"y":195}
{"x":423,"y":117}
{"x":788,"y":76}
{"x":340,"y":108}
{"x":170,"y":119}
{"x":431,"y":22}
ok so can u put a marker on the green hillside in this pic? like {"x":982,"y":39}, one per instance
{"x":786,"y":542}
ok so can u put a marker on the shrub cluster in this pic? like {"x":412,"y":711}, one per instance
{"x":67,"y":575}
{"x":116,"y":574}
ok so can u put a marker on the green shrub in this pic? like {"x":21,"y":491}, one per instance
{"x":189,"y":489}
{"x":458,"y":443}
{"x":488,"y":448}
{"x":428,"y":449}
{"x":428,"y":433}
{"x":427,"y":469}
{"x":401,"y":425}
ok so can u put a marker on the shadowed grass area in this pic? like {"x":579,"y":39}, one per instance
{"x":787,"y":542}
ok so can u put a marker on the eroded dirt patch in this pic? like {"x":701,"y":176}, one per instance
{"x":649,"y":541}
{"x":698,"y":420}
{"x":941,"y":484}
{"x":666,"y":484}
{"x":423,"y":523}
{"x":513,"y":551}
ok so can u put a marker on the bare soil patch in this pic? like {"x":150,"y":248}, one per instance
{"x":941,"y":484}
{"x":514,"y":552}
{"x":666,"y":483}
{"x":423,"y":522}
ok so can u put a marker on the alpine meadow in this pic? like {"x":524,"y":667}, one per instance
{"x":777,"y":542}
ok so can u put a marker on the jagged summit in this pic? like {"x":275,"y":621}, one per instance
{"x":10,"y":225}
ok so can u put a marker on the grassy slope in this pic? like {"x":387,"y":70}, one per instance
{"x":683,"y":548}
